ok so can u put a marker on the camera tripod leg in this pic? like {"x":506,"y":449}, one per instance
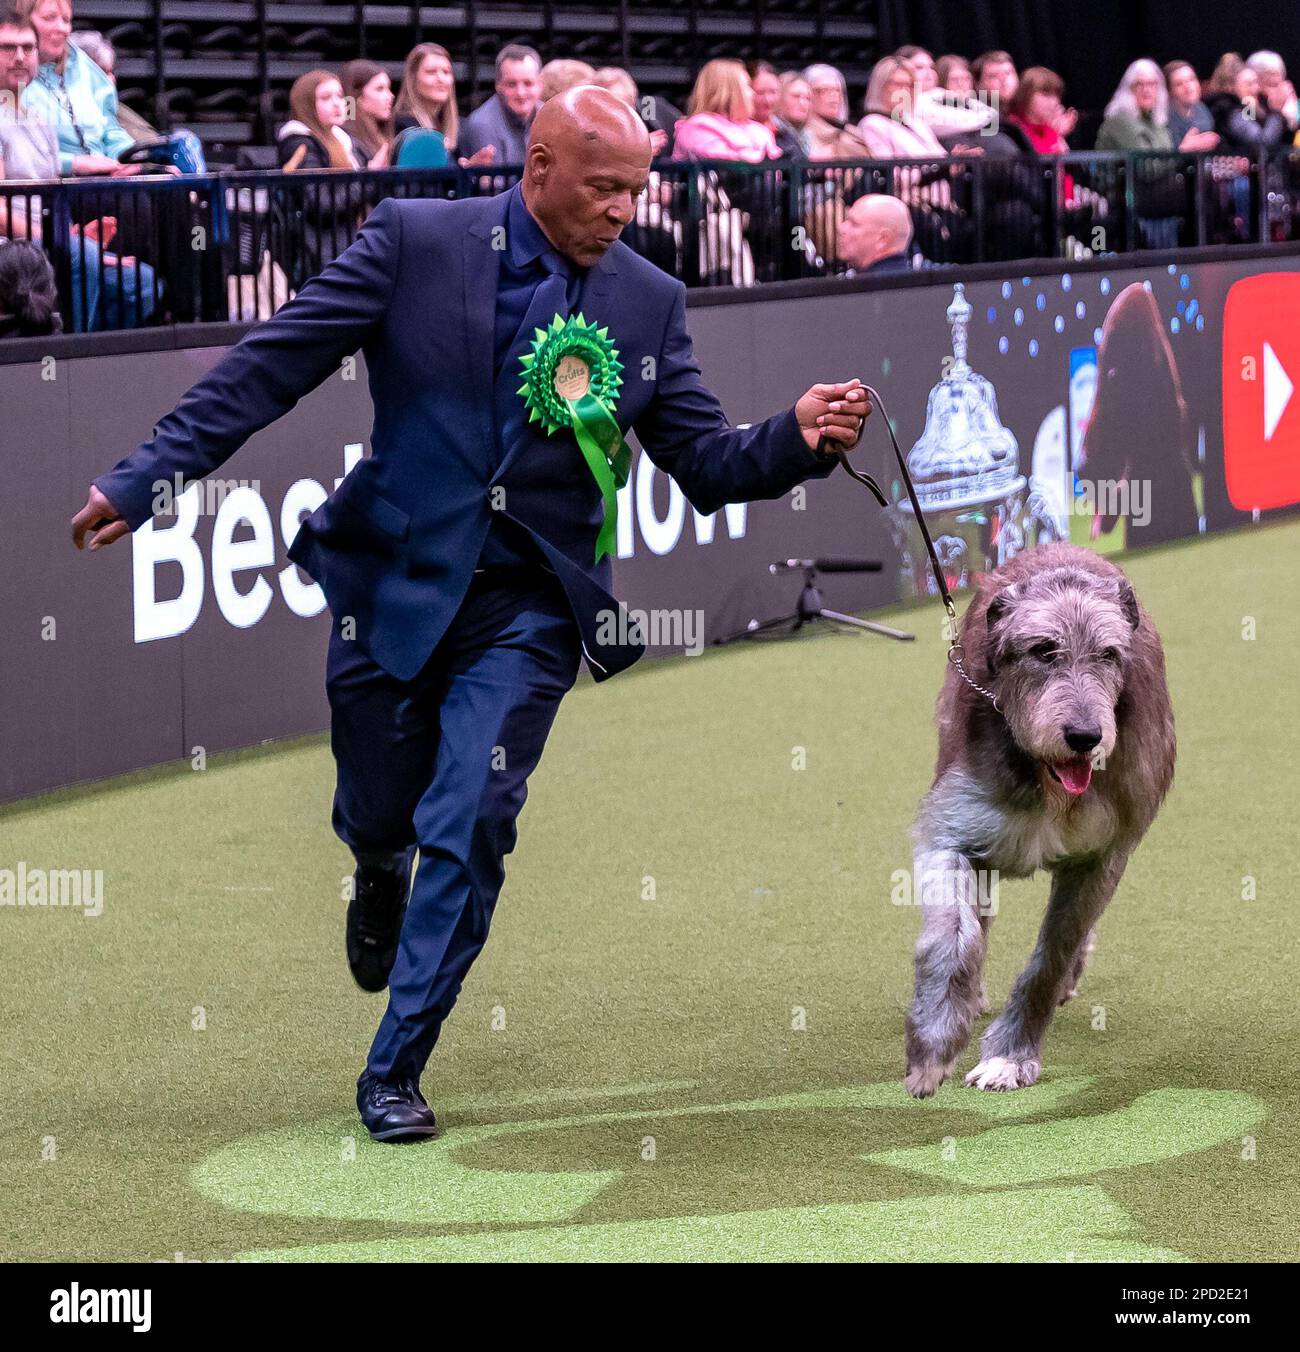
{"x":866,"y":624}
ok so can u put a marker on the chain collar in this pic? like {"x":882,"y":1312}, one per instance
{"x":956,"y":656}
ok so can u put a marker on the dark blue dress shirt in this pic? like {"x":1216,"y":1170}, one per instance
{"x":527,"y":260}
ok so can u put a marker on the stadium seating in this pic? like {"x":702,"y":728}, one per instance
{"x":224,"y":67}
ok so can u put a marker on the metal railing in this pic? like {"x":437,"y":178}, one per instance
{"x":235,"y":246}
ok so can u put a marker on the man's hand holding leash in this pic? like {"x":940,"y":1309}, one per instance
{"x":835,"y":413}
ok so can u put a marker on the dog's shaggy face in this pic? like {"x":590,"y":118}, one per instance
{"x":1058,"y":647}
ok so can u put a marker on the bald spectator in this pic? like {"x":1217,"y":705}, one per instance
{"x":503,"y":121}
{"x":875,"y":236}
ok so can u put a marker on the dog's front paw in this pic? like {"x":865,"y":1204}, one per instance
{"x":1001,"y":1072}
{"x":924,"y":1077}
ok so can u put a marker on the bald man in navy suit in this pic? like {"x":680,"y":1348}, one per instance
{"x":461,"y":560}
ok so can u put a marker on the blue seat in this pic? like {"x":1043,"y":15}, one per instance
{"x":419,"y":148}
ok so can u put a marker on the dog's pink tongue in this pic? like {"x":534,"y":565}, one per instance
{"x":1075,"y":775}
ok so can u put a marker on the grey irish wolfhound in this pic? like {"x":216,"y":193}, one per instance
{"x":1065,"y":772}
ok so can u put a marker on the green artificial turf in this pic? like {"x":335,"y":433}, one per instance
{"x":684,"y":1039}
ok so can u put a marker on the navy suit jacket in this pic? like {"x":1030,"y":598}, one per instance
{"x":396,"y":545}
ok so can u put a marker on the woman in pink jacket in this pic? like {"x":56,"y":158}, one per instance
{"x":893,"y":131}
{"x":896,"y":128}
{"x":721,"y":124}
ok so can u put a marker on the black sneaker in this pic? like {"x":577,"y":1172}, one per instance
{"x":394,"y":1110}
{"x":374,"y":924}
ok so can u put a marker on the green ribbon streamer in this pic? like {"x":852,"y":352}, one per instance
{"x":591,"y":416}
{"x":608,"y":457}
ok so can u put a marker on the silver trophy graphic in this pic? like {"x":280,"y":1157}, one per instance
{"x":966,"y":469}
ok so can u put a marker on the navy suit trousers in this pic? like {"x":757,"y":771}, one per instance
{"x":438,"y":766}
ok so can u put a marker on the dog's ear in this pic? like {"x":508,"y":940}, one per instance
{"x":998,"y":605}
{"x":1129,"y":603}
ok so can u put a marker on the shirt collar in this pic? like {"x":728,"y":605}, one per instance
{"x":527,"y":243}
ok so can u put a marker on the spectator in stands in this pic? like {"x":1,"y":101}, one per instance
{"x":739,"y":228}
{"x":178,"y":151}
{"x":322,"y":216}
{"x":101,"y":52}
{"x":1036,"y":110}
{"x":875,"y":236}
{"x":28,"y":303}
{"x":658,"y":115}
{"x":794,"y":107}
{"x":830,"y":135}
{"x":564,"y":73}
{"x":1244,"y":119}
{"x":946,"y":114}
{"x":313,"y":137}
{"x":995,"y":75}
{"x":428,"y":94}
{"x":1137,"y":119}
{"x":891,"y":130}
{"x":720,"y":123}
{"x":954,"y":74}
{"x":1231,"y":173}
{"x":1271,"y":70}
{"x":29,"y":151}
{"x":924,"y":73}
{"x":371,"y":128}
{"x":29,"y":148}
{"x":1224,"y":75}
{"x":765,"y":85}
{"x":1012,"y":186}
{"x":1188,"y":116}
{"x":984,"y":107}
{"x":503,"y":121}
{"x":428,"y":99}
{"x":1276,"y":98}
{"x":72,"y":94}
{"x":1137,"y":116}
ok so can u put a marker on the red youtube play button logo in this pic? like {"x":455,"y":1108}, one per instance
{"x":1261,"y":405}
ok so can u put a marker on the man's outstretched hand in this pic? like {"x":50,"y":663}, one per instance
{"x":100,"y":518}
{"x":835,"y":412}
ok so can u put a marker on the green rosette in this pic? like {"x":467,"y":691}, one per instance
{"x":571,"y":378}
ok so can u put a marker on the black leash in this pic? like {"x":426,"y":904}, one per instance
{"x":955,"y":652}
